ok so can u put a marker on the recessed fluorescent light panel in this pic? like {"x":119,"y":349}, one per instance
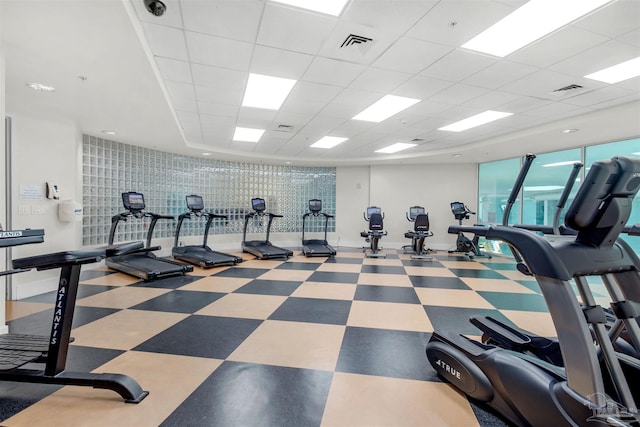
{"x":247,"y":134}
{"x":330,"y":7}
{"x":477,"y":120}
{"x":532,"y":21}
{"x":399,"y":146}
{"x":618,"y":73}
{"x":385,"y":108}
{"x":328,"y":142}
{"x":266,"y":91}
{"x":569,"y":162}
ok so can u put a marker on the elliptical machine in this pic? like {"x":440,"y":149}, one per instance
{"x":374,"y":217}
{"x":593,"y":385}
{"x":463,"y":245}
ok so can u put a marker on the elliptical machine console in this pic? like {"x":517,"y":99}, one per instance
{"x":464,"y":245}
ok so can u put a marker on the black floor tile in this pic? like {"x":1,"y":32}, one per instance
{"x":333,"y":277}
{"x":396,"y":354}
{"x":88,"y":290}
{"x":202,"y":336}
{"x":168,"y":282}
{"x":514,"y":301}
{"x":297,"y":266}
{"x":456,"y":319}
{"x":243,"y":272}
{"x":269,"y":287}
{"x":438,"y":282}
{"x":477,"y":274}
{"x":422,"y":262}
{"x":500,"y":266}
{"x":180,"y":301}
{"x":40,"y":323}
{"x":386,"y":294}
{"x":531,"y":284}
{"x":338,"y":260}
{"x":313,"y":310}
{"x":244,"y":394}
{"x":382,"y":269}
{"x":47,"y":298}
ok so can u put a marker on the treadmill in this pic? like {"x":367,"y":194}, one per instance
{"x":316,"y":247}
{"x":142,"y":263}
{"x":200,"y":255}
{"x":262,"y":249}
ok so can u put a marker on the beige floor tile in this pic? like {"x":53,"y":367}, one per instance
{"x":286,"y":275}
{"x":515,"y":275}
{"x":115,"y":279}
{"x":382,"y":261}
{"x":532,"y":321}
{"x":246,"y":306}
{"x":124,"y":329}
{"x":452,"y":298}
{"x":493,"y":285}
{"x":325,"y":290}
{"x":340,"y":268}
{"x":368,"y":401}
{"x":428,"y":271}
{"x":473,"y":265}
{"x":313,"y":259}
{"x":123,"y":297}
{"x":350,"y":255}
{"x":381,"y":279}
{"x":199,"y":271}
{"x":83,"y":406}
{"x":387,"y":315}
{"x":17,"y":309}
{"x":216,"y":284}
{"x":294,"y":344}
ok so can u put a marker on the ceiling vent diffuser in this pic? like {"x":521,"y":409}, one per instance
{"x":353,"y":39}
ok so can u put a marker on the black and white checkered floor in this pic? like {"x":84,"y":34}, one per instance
{"x":301,"y":342}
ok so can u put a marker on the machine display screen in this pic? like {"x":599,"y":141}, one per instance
{"x":415,"y":211}
{"x":195,"y":203}
{"x":315,"y":205}
{"x":457,"y":207}
{"x":373,"y":210}
{"x":258,"y":204}
{"x":133,"y":201}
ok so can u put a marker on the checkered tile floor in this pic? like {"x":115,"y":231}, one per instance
{"x":302,"y":342}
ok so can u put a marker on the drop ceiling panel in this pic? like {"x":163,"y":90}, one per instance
{"x":379,"y":79}
{"x":420,"y":87}
{"x":215,"y":109}
{"x":357,"y":98}
{"x":332,"y":72}
{"x":204,"y":75}
{"x":172,"y":69}
{"x":632,"y":37}
{"x":340,"y":110}
{"x":500,"y":74}
{"x":223,"y":18}
{"x":541,"y":84}
{"x":279,"y":63}
{"x":292,"y":29}
{"x":597,"y":96}
{"x":613,"y":20}
{"x":296,"y":120}
{"x":557,"y":47}
{"x":394,"y":16}
{"x":166,"y":41}
{"x":605,"y":55}
{"x":409,"y":55}
{"x":256,"y":118}
{"x":491,"y":100}
{"x":218,"y":95}
{"x":458,"y":65}
{"x":458,"y":94}
{"x":557,"y":110}
{"x":219,"y":52}
{"x":310,"y":91}
{"x":180,"y":91}
{"x":471,"y":17}
{"x":185,"y":105}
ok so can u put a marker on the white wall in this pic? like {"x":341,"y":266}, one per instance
{"x":395,"y":189}
{"x":44,"y":150}
{"x":3,"y":326}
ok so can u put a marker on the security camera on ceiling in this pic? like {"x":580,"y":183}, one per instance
{"x":155,"y":7}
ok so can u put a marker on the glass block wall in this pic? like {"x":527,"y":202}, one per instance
{"x":110,"y":168}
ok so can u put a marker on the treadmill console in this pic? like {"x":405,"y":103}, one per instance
{"x":195,"y":203}
{"x":258,"y":205}
{"x":133,"y":201}
{"x":414,"y":211}
{"x":373,"y":210}
{"x":315,"y":205}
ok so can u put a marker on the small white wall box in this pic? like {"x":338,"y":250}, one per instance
{"x":69,"y":210}
{"x":53,"y":191}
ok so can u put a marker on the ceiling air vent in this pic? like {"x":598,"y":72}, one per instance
{"x":566,"y":88}
{"x":284,"y":128}
{"x":353,"y":39}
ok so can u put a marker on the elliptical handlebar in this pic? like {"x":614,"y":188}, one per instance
{"x":517,"y":186}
